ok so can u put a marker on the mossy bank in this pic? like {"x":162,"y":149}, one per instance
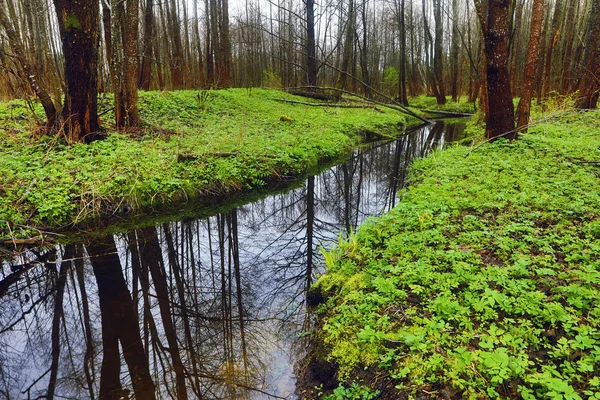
{"x":484,"y":282}
{"x":194,"y":144}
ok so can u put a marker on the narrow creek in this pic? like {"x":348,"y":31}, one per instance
{"x":202,"y":308}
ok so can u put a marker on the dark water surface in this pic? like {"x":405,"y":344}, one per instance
{"x":206,"y":308}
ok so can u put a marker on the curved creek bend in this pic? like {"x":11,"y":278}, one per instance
{"x":207,"y":308}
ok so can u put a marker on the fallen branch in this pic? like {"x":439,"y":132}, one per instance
{"x":23,"y":242}
{"x":551,"y":116}
{"x":447,"y":113}
{"x":313,"y":95}
{"x":397,"y":106}
{"x":335,"y":105}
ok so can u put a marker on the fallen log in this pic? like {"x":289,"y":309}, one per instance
{"x":447,"y":113}
{"x":315,"y":95}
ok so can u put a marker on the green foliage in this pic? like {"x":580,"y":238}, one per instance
{"x":430,"y":103}
{"x":72,"y":22}
{"x":390,"y":81}
{"x":194,"y":143}
{"x":485,"y":280}
{"x":353,"y":392}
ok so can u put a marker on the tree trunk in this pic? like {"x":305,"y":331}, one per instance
{"x":350,"y":29}
{"x":146,"y":69}
{"x":311,"y":52}
{"x":438,"y":55}
{"x":500,"y":119}
{"x":589,"y":86}
{"x":78,"y":22}
{"x":532,"y":58}
{"x":224,"y":58}
{"x":130,"y":75}
{"x":454,"y":55}
{"x":546,"y":84}
{"x":402,"y":70}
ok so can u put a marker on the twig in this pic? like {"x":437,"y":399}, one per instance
{"x":337,"y":105}
{"x":551,"y":116}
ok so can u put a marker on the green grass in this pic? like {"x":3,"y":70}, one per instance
{"x":194,"y":145}
{"x":484,"y":282}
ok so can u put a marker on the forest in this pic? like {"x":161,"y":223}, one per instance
{"x":284,"y":199}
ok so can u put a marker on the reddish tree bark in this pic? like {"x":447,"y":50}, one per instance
{"x":546,"y":86}
{"x":532,"y":58}
{"x":589,"y":86}
{"x":500,"y":119}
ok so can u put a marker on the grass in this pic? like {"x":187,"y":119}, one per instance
{"x":484,"y":282}
{"x":193,"y":145}
{"x":430,"y":103}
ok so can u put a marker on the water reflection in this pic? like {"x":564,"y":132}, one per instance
{"x":204,"y":308}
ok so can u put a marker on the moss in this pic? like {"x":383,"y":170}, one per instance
{"x":72,"y":22}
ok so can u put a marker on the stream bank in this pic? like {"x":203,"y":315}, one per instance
{"x":218,"y":299}
{"x":483,"y":282}
{"x":194,"y":145}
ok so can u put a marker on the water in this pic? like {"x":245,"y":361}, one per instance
{"x":207,"y":308}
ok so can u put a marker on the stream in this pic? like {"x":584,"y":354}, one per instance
{"x":201,"y":308}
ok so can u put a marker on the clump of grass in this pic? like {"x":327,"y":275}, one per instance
{"x":484,"y":282}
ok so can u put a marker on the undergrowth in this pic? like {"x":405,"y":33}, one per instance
{"x":484,"y":282}
{"x":429,"y":102}
{"x":192,"y":144}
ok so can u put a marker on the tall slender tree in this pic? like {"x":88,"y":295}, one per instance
{"x":535,"y":36}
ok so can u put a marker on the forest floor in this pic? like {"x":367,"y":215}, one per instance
{"x":194,"y":144}
{"x":484,"y":282}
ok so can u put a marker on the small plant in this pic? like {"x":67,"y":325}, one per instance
{"x":204,"y":98}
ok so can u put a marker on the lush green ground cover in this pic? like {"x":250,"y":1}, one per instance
{"x":193,"y":144}
{"x":430,"y":103}
{"x":484,"y":282}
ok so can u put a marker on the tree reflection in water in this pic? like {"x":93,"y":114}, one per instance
{"x":205,"y":308}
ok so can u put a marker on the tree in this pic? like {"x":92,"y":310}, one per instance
{"x":78,"y":23}
{"x":454,"y":56}
{"x":146,"y":69}
{"x":311,"y":53}
{"x":125,"y":66}
{"x":590,"y":85}
{"x":438,"y":73}
{"x":493,"y":19}
{"x":30,"y":70}
{"x":400,"y":10}
{"x":532,"y":58}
